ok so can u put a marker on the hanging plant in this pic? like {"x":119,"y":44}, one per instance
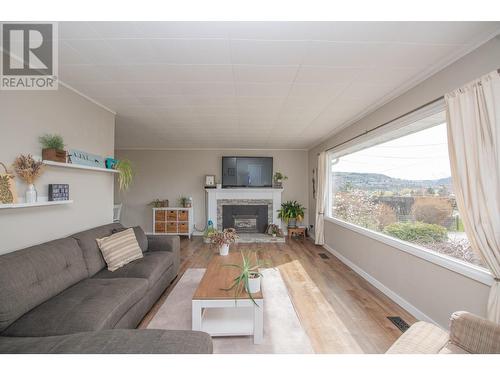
{"x":125,"y":175}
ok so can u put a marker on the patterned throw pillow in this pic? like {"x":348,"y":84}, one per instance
{"x":119,"y":249}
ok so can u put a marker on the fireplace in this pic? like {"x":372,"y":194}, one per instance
{"x":246,"y":218}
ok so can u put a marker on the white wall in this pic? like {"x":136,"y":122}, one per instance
{"x":24,"y":116}
{"x":434,"y":290}
{"x":168,"y":174}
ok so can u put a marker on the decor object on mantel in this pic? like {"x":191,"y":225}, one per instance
{"x":291,"y":212}
{"x":222,"y":239}
{"x":53,"y":148}
{"x":278,"y":179}
{"x":158,"y":203}
{"x":126,"y":173}
{"x":28,"y":169}
{"x":7,"y":186}
{"x":249,"y":277}
{"x":209,"y":181}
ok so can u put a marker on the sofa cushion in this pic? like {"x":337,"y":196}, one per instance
{"x":87,"y":242}
{"x":119,"y":249}
{"x":150,"y":267}
{"x":116,"y":341}
{"x":33,"y":275}
{"x":91,"y":305}
{"x":140,"y":236}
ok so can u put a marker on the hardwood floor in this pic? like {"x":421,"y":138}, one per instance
{"x":340,"y":311}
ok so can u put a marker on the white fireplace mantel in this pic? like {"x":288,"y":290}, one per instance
{"x":213,"y":195}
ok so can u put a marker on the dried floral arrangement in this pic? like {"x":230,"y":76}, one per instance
{"x":27,"y":168}
{"x":226,"y":237}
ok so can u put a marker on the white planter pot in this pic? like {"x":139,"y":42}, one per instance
{"x":254,"y":285}
{"x":224,"y":249}
{"x":31,"y":194}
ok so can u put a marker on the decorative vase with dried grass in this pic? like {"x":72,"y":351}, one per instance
{"x":28,"y":170}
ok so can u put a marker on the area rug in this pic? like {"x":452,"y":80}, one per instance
{"x":283,"y":332}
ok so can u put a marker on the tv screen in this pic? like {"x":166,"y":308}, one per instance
{"x":242,"y":171}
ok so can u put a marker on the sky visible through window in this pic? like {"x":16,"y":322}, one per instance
{"x":418,"y":156}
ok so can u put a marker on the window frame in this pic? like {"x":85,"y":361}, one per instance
{"x":395,"y":130}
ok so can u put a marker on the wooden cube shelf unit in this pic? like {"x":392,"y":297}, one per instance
{"x":173,"y":221}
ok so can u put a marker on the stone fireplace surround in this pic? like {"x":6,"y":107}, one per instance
{"x":216,"y":198}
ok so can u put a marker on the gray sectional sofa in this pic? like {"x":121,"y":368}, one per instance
{"x":59,"y":297}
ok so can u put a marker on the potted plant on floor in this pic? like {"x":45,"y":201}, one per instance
{"x":249,"y":277}
{"x":223,"y":239}
{"x":209,"y":231}
{"x":53,"y":148}
{"x":278,"y":179}
{"x":274,"y":230}
{"x":291,"y":212}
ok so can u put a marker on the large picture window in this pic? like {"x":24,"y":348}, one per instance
{"x":402,"y":187}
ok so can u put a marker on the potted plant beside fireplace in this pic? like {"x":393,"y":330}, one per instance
{"x":223,"y":239}
{"x":291,"y":212}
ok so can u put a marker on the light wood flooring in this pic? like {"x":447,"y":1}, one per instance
{"x":339,"y":310}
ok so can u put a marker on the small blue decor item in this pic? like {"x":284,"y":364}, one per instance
{"x":84,"y":158}
{"x":110,"y":163}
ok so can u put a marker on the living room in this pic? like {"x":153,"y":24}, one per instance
{"x":250,"y":186}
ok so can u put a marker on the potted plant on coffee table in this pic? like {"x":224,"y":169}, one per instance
{"x":249,"y":278}
{"x":53,"y":148}
{"x":291,"y":212}
{"x":223,"y":239}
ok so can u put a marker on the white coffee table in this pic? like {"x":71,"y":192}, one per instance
{"x":219,"y":312}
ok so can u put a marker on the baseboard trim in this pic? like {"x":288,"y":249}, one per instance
{"x":384,"y":289}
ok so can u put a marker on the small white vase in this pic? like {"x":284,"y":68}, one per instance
{"x":224,"y":249}
{"x":31,"y":194}
{"x":254,"y":285}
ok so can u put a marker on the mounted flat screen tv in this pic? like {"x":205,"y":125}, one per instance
{"x":242,"y":171}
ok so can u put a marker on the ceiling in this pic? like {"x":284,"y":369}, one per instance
{"x":251,"y":84}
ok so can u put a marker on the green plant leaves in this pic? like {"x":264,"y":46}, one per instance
{"x":126,"y":175}
{"x":291,"y":210}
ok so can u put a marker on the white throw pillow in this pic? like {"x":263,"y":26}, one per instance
{"x":119,"y":249}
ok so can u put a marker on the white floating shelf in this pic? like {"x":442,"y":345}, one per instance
{"x":78,"y":166}
{"x":36,"y":204}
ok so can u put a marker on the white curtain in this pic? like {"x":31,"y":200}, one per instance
{"x":319,"y":233}
{"x":473,"y":117}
